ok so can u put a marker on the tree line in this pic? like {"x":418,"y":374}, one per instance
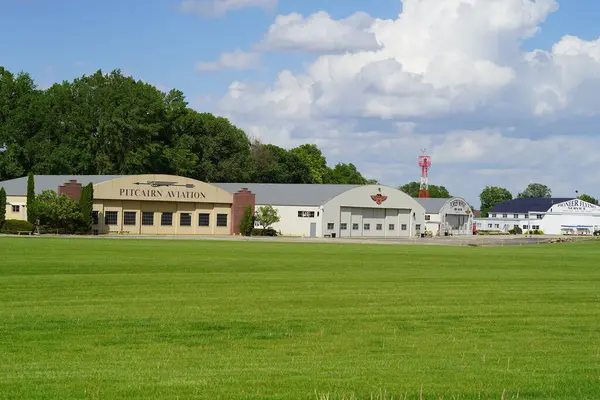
{"x":112,"y":124}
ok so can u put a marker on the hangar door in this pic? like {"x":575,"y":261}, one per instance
{"x":374,"y":222}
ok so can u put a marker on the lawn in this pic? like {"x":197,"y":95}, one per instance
{"x":150,"y":319}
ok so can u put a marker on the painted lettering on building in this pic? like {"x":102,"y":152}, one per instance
{"x":161,"y":194}
{"x":576,"y":205}
{"x":460,"y":206}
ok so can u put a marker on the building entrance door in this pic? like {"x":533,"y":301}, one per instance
{"x":313,"y":229}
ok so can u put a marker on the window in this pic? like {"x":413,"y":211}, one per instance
{"x":166,"y":219}
{"x":147,"y":218}
{"x":185,"y":219}
{"x":540,"y":216}
{"x":404,"y":227}
{"x":343,"y":226}
{"x":111,"y":217}
{"x":379,"y":227}
{"x":418,"y":227}
{"x":534,"y":227}
{"x":525,"y":226}
{"x":16,"y":209}
{"x":489,"y":225}
{"x":367,"y":227}
{"x":526,"y":216}
{"x":221,"y":219}
{"x":95,"y":217}
{"x":516,"y":216}
{"x":204,"y":219}
{"x":354,"y":227}
{"x":504,"y":215}
{"x":497,"y":226}
{"x":391,"y":227}
{"x":330,"y":226}
{"x":427,"y":217}
{"x":306,"y":214}
{"x":493,"y":215}
{"x":129,"y":217}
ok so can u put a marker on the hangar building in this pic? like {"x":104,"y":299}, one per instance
{"x":315,"y":210}
{"x":171,"y":205}
{"x":553,"y":216}
{"x":451,"y":216}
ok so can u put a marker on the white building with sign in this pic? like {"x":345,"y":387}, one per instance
{"x":451,"y":216}
{"x":553,"y":216}
{"x":346,"y":211}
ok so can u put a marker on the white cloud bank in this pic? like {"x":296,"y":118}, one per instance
{"x":218,"y":8}
{"x":449,"y":75}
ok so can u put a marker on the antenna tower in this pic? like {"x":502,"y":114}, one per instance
{"x":425,"y":164}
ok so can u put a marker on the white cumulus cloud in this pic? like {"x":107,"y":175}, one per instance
{"x":319,"y":33}
{"x":449,"y":75}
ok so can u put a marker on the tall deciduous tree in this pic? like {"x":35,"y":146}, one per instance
{"x":247,"y":223}
{"x":58,"y":212}
{"x":588,"y":198}
{"x":86,"y":205}
{"x":492,"y":195}
{"x":31,"y":211}
{"x":2,"y":206}
{"x":412,"y":189}
{"x":535,"y":190}
{"x":267,"y":216}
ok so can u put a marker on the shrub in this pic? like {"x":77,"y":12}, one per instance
{"x":534,"y":232}
{"x":516,"y":231}
{"x":13,"y":226}
{"x":264,"y":232}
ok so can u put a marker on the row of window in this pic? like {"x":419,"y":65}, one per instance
{"x":516,"y":216}
{"x":367,"y":227}
{"x":166,"y":218}
{"x":514,"y":226}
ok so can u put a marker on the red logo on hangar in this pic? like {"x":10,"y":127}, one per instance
{"x":378,"y":198}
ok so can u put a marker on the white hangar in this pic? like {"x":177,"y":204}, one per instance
{"x":315,"y":210}
{"x":451,"y":216}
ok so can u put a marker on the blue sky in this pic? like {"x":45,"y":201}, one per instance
{"x":157,"y":41}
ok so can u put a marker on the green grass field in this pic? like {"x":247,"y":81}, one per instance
{"x":149,"y":319}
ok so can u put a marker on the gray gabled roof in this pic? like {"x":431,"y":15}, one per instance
{"x":289,"y":194}
{"x":18,"y":186}
{"x":266,"y":193}
{"x":432,"y":206}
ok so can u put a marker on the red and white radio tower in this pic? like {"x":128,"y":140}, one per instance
{"x":425,"y":164}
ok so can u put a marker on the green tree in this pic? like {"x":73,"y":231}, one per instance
{"x":86,"y":205}
{"x":311,"y":155}
{"x":58,"y":212}
{"x":2,"y":206}
{"x":31,"y":213}
{"x":267,"y":216}
{"x":588,"y":198}
{"x":535,"y":190}
{"x":412,"y":189}
{"x":247,"y":223}
{"x":492,"y":195}
{"x":346,"y":174}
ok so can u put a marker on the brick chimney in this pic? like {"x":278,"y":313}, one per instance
{"x":241,"y":200}
{"x":72,"y":189}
